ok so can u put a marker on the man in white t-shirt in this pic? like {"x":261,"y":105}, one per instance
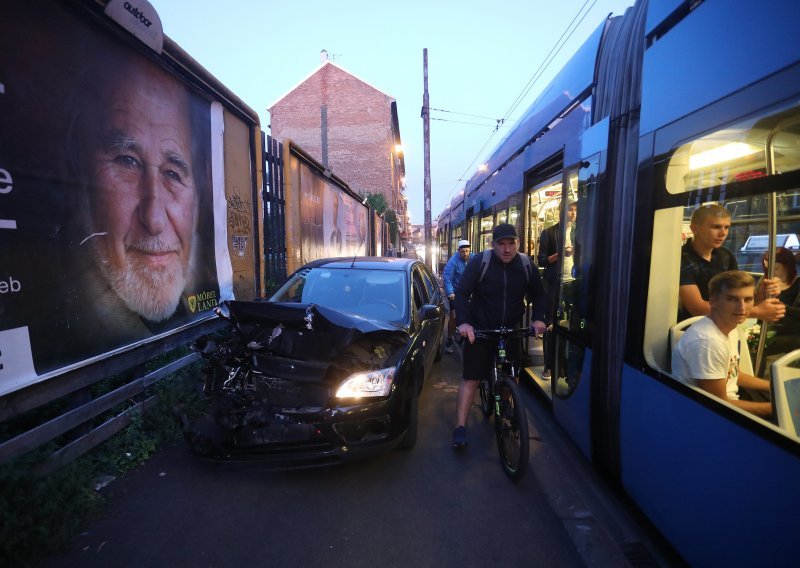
{"x":707,"y":355}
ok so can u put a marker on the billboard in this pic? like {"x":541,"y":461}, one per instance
{"x":113,"y":210}
{"x":324,"y":219}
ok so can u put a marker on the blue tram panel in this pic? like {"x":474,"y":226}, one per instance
{"x":658,"y":11}
{"x":716,"y":50}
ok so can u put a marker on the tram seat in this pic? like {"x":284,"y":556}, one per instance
{"x":785,"y":390}
{"x":675,"y":333}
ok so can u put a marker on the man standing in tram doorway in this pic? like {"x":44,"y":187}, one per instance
{"x":491,"y":299}
{"x":451,"y":275}
{"x":555,"y":265}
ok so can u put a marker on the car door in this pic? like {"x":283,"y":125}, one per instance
{"x":426,"y":292}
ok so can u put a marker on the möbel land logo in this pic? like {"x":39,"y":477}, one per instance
{"x":202,"y":301}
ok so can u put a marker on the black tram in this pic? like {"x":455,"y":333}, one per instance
{"x":675,"y":104}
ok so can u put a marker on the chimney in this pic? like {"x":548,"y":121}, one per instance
{"x":323,"y":56}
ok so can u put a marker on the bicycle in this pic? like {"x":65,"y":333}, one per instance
{"x":500,"y":396}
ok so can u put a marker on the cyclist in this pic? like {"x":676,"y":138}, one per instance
{"x":491,"y":298}
{"x":451,"y":274}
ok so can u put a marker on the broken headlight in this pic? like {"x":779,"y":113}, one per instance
{"x":367,"y":383}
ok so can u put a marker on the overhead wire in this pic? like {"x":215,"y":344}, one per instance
{"x":464,"y":114}
{"x":471,"y":123}
{"x":551,"y":55}
{"x":529,"y":85}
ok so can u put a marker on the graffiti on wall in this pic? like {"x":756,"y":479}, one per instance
{"x":240,"y":221}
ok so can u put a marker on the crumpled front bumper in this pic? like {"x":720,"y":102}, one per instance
{"x":298,"y":437}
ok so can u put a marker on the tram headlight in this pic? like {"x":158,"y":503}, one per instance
{"x":367,"y":384}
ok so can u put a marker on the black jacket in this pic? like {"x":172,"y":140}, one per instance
{"x":549,"y":244}
{"x":497,"y":300}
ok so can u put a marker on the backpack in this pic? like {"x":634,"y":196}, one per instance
{"x":526,"y":264}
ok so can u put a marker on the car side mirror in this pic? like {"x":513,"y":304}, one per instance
{"x":430,"y":311}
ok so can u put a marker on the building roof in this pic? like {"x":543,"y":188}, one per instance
{"x":317,"y":70}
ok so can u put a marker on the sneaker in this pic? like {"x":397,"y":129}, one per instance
{"x":448,"y":349}
{"x":459,"y":437}
{"x":546,"y":375}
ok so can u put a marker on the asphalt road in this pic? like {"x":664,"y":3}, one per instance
{"x":431,"y":506}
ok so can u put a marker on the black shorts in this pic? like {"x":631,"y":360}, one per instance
{"x":479,"y":357}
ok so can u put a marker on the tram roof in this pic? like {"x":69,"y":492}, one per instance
{"x":573,"y":80}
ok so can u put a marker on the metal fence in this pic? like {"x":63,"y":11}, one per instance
{"x":80,"y":416}
{"x":274,"y":214}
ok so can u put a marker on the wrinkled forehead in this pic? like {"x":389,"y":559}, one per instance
{"x":147,"y":89}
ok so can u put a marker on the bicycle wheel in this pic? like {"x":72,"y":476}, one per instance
{"x":511,"y":429}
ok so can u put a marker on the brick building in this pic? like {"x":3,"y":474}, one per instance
{"x":351,"y":128}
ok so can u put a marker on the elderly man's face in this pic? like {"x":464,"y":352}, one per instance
{"x":143,"y":195}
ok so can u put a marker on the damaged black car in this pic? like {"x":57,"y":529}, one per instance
{"x":328,"y":369}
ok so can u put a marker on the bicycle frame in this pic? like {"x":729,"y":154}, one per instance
{"x":510,"y":419}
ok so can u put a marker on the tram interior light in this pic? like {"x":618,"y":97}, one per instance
{"x":721,"y":154}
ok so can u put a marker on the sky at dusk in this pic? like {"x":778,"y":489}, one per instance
{"x":482,"y":58}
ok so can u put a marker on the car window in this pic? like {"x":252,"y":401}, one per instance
{"x":430,"y":284}
{"x":420,"y":292}
{"x":373,"y":294}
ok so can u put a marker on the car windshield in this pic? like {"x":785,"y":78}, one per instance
{"x":372,"y":294}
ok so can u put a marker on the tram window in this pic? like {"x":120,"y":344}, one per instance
{"x":542,"y":211}
{"x":455,"y":236}
{"x":502,"y":217}
{"x":767,"y":144}
{"x":487,"y":224}
{"x":747,"y":246}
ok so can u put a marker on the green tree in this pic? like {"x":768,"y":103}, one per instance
{"x":391,"y":219}
{"x":378,"y":202}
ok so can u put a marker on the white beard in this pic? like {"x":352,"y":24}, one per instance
{"x":153,"y":293}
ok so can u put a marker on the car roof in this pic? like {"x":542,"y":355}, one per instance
{"x":364,"y":262}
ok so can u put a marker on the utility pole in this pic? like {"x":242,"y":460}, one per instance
{"x":426,"y":129}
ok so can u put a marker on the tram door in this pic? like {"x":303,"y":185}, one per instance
{"x":571,"y":378}
{"x":542,"y":210}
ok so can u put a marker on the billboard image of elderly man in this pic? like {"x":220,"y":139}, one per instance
{"x":140,"y":170}
{"x":107,"y":206}
{"x":142,"y":209}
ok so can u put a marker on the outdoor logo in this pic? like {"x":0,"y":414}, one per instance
{"x":203,"y":301}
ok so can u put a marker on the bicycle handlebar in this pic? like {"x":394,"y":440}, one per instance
{"x":503,"y":332}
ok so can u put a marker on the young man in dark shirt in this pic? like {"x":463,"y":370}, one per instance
{"x":703,"y":257}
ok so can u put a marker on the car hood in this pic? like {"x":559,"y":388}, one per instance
{"x":304,"y":316}
{"x":308,"y":342}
